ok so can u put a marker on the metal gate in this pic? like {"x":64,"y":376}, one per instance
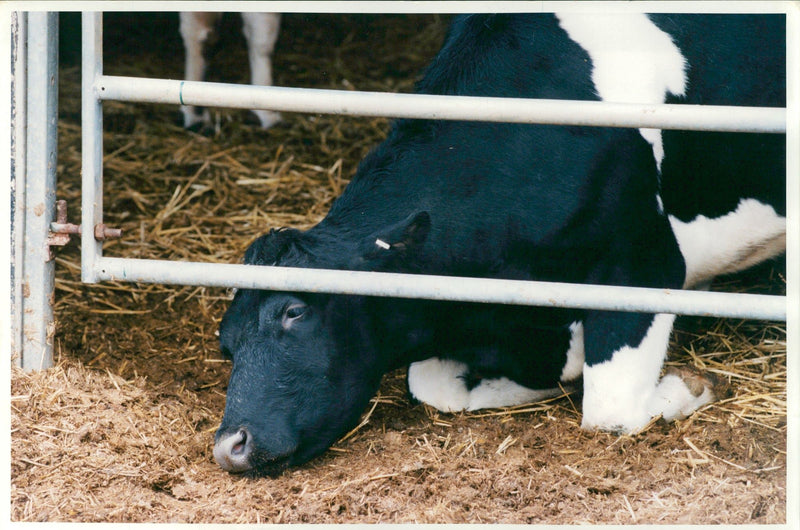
{"x":97,"y":88}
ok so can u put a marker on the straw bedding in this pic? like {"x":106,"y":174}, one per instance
{"x":121,"y":429}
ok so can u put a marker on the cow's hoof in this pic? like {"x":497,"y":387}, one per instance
{"x":262,"y":118}
{"x":685,"y":389}
{"x":698,"y":381}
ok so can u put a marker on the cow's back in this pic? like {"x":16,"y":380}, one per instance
{"x":488,"y":186}
{"x":504,"y":198}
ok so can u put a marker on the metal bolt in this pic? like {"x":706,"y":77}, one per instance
{"x":102,"y":232}
{"x":61,"y":229}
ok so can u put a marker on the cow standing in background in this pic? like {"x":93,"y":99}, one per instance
{"x":199,"y":31}
{"x":597,"y":205}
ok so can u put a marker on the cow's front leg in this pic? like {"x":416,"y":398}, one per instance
{"x":449,"y":386}
{"x":622,"y":391}
{"x":441,"y":383}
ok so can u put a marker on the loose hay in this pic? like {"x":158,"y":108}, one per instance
{"x":121,"y":429}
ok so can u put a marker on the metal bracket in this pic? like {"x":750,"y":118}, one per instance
{"x":61,"y":230}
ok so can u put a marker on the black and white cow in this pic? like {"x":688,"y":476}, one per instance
{"x":649,"y":208}
{"x":199,"y":31}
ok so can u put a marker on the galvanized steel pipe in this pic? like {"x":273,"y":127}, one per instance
{"x":435,"y":107}
{"x":549,"y":294}
{"x":39,"y":148}
{"x":91,"y":142}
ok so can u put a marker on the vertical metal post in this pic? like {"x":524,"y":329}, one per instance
{"x":37,"y":192}
{"x":91,"y":143}
{"x":793,"y":252}
{"x":19,"y":73}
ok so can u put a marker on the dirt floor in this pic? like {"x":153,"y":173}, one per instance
{"x":121,"y":429}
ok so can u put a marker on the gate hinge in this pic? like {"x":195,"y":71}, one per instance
{"x":61,"y":230}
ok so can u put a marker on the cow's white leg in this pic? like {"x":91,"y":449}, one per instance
{"x":197,"y":30}
{"x":440,"y":383}
{"x":624,"y":393}
{"x":619,"y":394}
{"x":503,"y":392}
{"x":576,"y":354}
{"x":261,"y":32}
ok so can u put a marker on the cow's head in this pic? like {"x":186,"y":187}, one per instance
{"x":304,"y":365}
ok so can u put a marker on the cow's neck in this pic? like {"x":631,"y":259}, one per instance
{"x":400,"y":330}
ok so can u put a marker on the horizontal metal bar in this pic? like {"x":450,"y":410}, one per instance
{"x":518,"y":292}
{"x":513,"y":110}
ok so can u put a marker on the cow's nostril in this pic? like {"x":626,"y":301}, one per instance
{"x":240,"y":446}
{"x":232,"y":452}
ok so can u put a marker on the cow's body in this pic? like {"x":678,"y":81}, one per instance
{"x":199,"y":31}
{"x":587,"y":205}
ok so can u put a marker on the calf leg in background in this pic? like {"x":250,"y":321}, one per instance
{"x":198,"y":31}
{"x":261,"y":32}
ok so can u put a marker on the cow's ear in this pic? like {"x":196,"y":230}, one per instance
{"x":398,"y":241}
{"x":268,"y":249}
{"x":406,"y":235}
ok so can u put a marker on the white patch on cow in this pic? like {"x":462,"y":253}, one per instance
{"x":618,"y":393}
{"x":633,"y":61}
{"x":439,"y":383}
{"x":575,"y":354}
{"x":733,"y":242}
{"x":503,"y":392}
{"x":653,"y":137}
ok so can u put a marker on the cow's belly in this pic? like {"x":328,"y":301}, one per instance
{"x":752,"y":233}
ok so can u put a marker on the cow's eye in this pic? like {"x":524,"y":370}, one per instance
{"x":294,"y":313}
